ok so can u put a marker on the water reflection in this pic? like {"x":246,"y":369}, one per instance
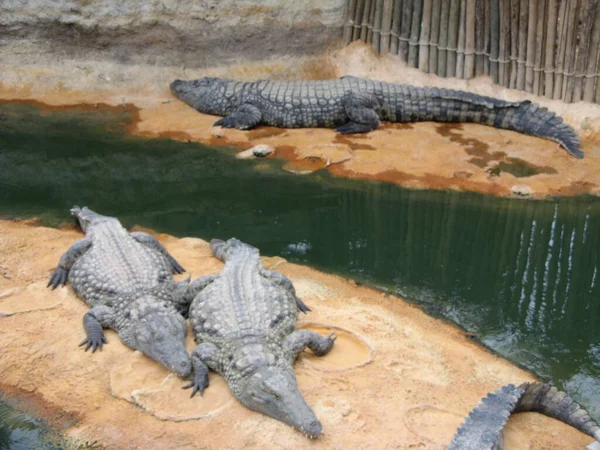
{"x":522,"y":275}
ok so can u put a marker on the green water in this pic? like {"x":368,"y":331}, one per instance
{"x":21,"y":431}
{"x":522,"y":275}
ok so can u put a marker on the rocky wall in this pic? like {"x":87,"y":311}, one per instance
{"x":186,"y":33}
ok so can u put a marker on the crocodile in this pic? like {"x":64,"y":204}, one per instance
{"x":127,"y":280}
{"x":482,"y":428}
{"x":245,"y":320}
{"x":357,"y":105}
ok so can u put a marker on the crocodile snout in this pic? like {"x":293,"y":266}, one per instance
{"x":176,"y":86}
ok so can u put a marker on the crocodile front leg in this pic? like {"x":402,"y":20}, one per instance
{"x":181,"y":298}
{"x":283,"y":281}
{"x":300,"y":339}
{"x":245,"y":117}
{"x":151,"y":242}
{"x":61,"y":273}
{"x":93,"y":322}
{"x":362,"y":112}
{"x":203,"y":357}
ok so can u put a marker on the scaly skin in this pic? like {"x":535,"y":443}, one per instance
{"x":482,"y":429}
{"x":127,"y":280}
{"x":245,"y":318}
{"x":355,"y":105}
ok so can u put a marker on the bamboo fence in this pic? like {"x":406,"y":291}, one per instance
{"x":546,"y":47}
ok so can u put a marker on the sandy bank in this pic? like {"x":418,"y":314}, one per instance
{"x":396,"y":378}
{"x":422,"y":155}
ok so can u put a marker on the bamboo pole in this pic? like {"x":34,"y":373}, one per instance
{"x":480,"y":31}
{"x":588,"y":12}
{"x":591,"y":74}
{"x":425,"y":36}
{"x":386,"y":25}
{"x":405,"y":33}
{"x":349,"y":26}
{"x":561,"y":47}
{"x":435,"y":35}
{"x":569,"y":69}
{"x":371,"y":21}
{"x":413,"y":45}
{"x":487,"y":8}
{"x":365,"y":20}
{"x":396,"y":21}
{"x":378,"y":16}
{"x":452,"y":37}
{"x":460,"y":47}
{"x":470,"y":39}
{"x":530,"y":49}
{"x":443,"y":39}
{"x":358,"y":14}
{"x":539,"y":44}
{"x":514,"y":42}
{"x":494,"y":40}
{"x":504,"y":50}
{"x":522,"y":45}
{"x":551,"y":43}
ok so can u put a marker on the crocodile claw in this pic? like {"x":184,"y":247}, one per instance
{"x":58,"y":278}
{"x":175,"y":266}
{"x":199,"y":384}
{"x":94,"y":343}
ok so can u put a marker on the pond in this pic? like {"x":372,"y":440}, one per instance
{"x":522,"y":275}
{"x":21,"y":431}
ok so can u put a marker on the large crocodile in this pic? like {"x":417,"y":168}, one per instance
{"x":356,"y":105}
{"x":245,"y":318}
{"x":127,"y":280}
{"x":482,"y":429}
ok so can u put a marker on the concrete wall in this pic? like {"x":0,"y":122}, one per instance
{"x":194,"y":33}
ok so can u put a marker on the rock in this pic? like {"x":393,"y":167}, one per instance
{"x":521,"y":190}
{"x":262,"y":150}
{"x":258,"y":151}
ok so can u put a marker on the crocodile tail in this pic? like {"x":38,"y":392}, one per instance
{"x":219,"y":248}
{"x":84,"y":214}
{"x":547,"y":400}
{"x":482,"y":429}
{"x":525,"y":117}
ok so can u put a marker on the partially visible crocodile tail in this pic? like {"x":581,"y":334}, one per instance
{"x":85,"y":216}
{"x":482,"y":429}
{"x":446,"y":105}
{"x":219,"y":248}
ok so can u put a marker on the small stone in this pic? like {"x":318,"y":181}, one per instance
{"x":262,"y":150}
{"x":258,"y":151}
{"x":522,"y":190}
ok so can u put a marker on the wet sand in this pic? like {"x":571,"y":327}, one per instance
{"x":396,"y":378}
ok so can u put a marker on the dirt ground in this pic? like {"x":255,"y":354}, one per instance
{"x":396,"y":377}
{"x":467,"y":157}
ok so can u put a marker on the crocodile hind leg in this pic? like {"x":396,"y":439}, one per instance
{"x":283,"y":281}
{"x":300,"y":339}
{"x":94,"y":320}
{"x":151,"y":242}
{"x":362,"y":112}
{"x":203,"y":356}
{"x":245,"y":117}
{"x":60,"y":274}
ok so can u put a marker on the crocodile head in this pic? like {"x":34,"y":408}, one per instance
{"x":273,"y":391}
{"x":208,"y":95}
{"x":160,"y":334}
